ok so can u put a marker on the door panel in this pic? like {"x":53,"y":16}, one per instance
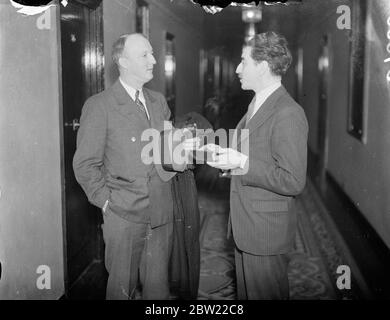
{"x":81,"y":74}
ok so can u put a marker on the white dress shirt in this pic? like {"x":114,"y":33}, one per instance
{"x":131,"y":91}
{"x":262,"y":96}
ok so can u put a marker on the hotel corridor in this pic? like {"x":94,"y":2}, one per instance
{"x":51,"y":62}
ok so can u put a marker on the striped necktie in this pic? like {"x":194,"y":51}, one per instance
{"x":141,"y":105}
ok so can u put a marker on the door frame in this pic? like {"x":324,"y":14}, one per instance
{"x":95,"y":85}
{"x":323,"y":115}
{"x":168,"y":36}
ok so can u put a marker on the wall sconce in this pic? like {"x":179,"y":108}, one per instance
{"x":169,"y":65}
{"x":251,"y":15}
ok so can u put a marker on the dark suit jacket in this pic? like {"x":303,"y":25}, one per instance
{"x":108,"y":163}
{"x":262,"y":217}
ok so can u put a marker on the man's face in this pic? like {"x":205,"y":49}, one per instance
{"x":249,"y":71}
{"x":137,"y":58}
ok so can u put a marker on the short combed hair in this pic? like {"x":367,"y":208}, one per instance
{"x":271,"y":47}
{"x":119,"y":45}
{"x":117,"y":48}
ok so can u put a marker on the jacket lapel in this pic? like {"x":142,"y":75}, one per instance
{"x":242,"y":122}
{"x":154,"y":110}
{"x":237,"y":133}
{"x":266,"y":110}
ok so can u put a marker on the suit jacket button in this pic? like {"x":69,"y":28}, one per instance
{"x":133,"y":139}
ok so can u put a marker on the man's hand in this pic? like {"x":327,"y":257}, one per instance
{"x":212,"y":148}
{"x":225,"y":158}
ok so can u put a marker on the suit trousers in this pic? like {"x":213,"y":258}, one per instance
{"x":134,"y":252}
{"x":261,"y":277}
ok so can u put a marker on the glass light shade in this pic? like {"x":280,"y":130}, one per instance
{"x":169,"y":65}
{"x":251,"y":14}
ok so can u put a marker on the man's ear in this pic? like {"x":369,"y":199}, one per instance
{"x":122,"y":62}
{"x":263,"y":67}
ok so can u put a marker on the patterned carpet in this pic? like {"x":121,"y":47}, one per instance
{"x":318,"y":251}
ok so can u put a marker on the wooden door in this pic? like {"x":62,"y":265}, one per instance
{"x":82,"y":76}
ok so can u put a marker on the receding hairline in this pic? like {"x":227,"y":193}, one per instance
{"x":134,"y":36}
{"x":123,"y":41}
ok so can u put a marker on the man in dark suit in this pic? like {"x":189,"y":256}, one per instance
{"x":268,"y":173}
{"x":134,"y":193}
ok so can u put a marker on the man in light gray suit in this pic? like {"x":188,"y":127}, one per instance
{"x":135,"y":195}
{"x":265,"y":180}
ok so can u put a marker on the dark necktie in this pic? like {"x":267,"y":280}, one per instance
{"x":141,"y":105}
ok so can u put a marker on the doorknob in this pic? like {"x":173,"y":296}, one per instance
{"x":75,"y":124}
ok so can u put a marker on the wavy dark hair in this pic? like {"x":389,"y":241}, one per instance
{"x":271,"y":47}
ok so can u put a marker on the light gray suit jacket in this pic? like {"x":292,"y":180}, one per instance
{"x":262,"y":216}
{"x":107,"y":163}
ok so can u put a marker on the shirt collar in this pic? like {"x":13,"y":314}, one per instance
{"x":266,"y":92}
{"x":131,"y":91}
